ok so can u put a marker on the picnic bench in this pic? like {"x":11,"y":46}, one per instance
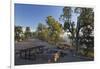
{"x":30,"y":53}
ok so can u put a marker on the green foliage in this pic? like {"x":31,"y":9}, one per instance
{"x":42,"y":32}
{"x":85,"y":26}
{"x":55,"y":28}
{"x":69,"y":26}
{"x":66,"y":16}
{"x":53,"y":24}
{"x":41,"y":27}
{"x":27,"y":33}
{"x":18,"y":33}
{"x":50,"y":32}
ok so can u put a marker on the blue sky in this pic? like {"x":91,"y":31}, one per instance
{"x":30,"y":15}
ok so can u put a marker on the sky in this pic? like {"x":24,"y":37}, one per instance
{"x":31,"y":15}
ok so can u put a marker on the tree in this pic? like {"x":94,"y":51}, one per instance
{"x":18,"y":33}
{"x":42,"y":32}
{"x":28,"y":33}
{"x":69,"y":26}
{"x":55,"y":28}
{"x":34,"y":34}
{"x":41,"y":27}
{"x":85,"y":25}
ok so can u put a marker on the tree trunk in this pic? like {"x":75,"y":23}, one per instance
{"x":77,"y":40}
